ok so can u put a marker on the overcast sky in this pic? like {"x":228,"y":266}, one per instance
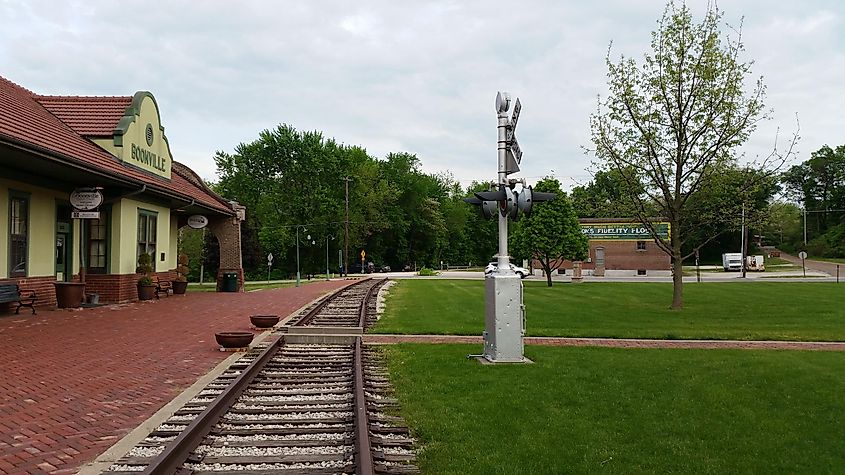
{"x":391,"y":76}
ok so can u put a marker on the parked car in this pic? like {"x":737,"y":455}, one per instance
{"x":494,"y":266}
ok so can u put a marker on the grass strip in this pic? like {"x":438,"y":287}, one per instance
{"x":801,"y":311}
{"x":590,"y":410}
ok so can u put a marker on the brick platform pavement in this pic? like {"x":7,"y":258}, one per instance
{"x":72,"y":383}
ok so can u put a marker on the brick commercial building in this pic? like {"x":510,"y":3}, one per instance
{"x":622,"y":247}
{"x":87,"y":185}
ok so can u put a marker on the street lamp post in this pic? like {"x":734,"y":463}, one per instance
{"x":327,"y":254}
{"x":304,"y":229}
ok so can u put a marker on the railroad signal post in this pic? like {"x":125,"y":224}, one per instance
{"x":504,"y":312}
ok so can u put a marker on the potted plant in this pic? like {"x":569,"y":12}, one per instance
{"x":146,"y":288}
{"x":180,"y":283}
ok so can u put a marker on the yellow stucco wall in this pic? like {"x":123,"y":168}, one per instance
{"x":132,"y":147}
{"x":125,"y":236}
{"x":42,"y":229}
{"x":174,"y":240}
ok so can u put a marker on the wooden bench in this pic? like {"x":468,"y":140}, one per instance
{"x":12,"y":293}
{"x":162,"y":286}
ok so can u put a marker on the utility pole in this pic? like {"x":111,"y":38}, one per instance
{"x":805,"y":226}
{"x":744,"y":249}
{"x":346,"y":179}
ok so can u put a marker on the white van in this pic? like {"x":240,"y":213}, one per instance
{"x":732,"y":261}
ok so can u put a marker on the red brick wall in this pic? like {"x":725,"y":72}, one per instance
{"x":228,"y":233}
{"x":623,"y":255}
{"x":112,"y":288}
{"x":43,"y":286}
{"x":115,"y":288}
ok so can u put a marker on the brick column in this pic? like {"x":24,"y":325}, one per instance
{"x":228,"y":233}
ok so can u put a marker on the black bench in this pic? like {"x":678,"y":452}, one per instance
{"x":162,"y":286}
{"x":12,"y":293}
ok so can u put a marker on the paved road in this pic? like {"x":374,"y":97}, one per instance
{"x":828,"y":268}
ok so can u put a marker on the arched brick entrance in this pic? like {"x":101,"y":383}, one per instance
{"x":228,"y":233}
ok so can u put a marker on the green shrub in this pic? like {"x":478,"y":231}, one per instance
{"x":425,"y":271}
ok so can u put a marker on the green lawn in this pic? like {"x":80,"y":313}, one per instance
{"x":604,"y":410}
{"x":730,"y":310}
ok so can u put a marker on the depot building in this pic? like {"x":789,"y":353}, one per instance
{"x":622,"y":247}
{"x":88,"y":184}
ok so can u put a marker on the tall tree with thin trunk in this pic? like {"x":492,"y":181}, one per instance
{"x":672,"y":123}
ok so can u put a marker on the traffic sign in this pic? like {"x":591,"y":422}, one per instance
{"x":363,"y":254}
{"x":517,"y":152}
{"x":270,"y":258}
{"x":802,"y":255}
{"x":517,"y":108}
{"x":511,"y":163}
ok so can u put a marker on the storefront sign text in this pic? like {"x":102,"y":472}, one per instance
{"x":145,"y":157}
{"x":622,"y":231}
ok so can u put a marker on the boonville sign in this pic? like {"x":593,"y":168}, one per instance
{"x":148,"y":158}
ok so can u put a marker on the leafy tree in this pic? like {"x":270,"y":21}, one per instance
{"x":676,"y":121}
{"x":482,"y":233}
{"x":819,"y":185}
{"x":551,"y":234}
{"x":607,"y":195}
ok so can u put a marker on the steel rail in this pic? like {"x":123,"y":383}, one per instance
{"x":364,"y":451}
{"x":177,"y":451}
{"x":362,"y":310}
{"x":306,"y":319}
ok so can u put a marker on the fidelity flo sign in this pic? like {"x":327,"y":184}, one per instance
{"x":622,"y":231}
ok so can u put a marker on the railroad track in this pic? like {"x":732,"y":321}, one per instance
{"x":353,"y":306}
{"x":303,"y":404}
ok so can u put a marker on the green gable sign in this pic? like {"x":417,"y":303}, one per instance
{"x":622,"y":231}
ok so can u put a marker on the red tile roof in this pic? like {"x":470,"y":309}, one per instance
{"x":26,"y":121}
{"x":88,"y":116}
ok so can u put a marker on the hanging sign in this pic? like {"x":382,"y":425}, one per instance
{"x":86,"y":199}
{"x":197,"y":221}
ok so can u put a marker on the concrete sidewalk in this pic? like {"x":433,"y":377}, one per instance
{"x":75,"y":382}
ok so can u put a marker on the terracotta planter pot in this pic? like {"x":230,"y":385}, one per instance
{"x":146,"y":292}
{"x":264,"y":321}
{"x":69,"y":294}
{"x":179,"y":287}
{"x":233,"y":339}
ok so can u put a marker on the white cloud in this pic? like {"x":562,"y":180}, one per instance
{"x":396,"y":76}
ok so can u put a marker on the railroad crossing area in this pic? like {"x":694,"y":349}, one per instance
{"x":76,"y":382}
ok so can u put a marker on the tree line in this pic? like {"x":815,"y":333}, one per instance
{"x":666,"y":138}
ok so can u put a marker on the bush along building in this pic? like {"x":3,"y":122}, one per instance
{"x":88,"y":184}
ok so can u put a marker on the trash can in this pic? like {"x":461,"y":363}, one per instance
{"x":230,"y":282}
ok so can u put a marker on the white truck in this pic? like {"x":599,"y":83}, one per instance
{"x":756,"y":263}
{"x":732,"y":261}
